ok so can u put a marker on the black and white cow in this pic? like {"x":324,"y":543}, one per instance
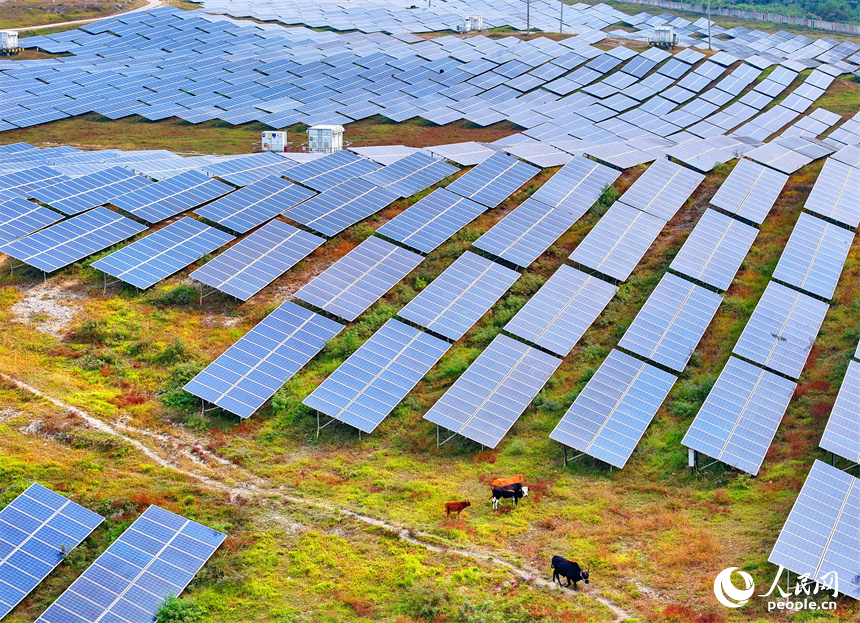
{"x":563,"y":568}
{"x":513,"y":492}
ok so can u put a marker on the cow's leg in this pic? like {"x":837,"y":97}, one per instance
{"x":556,"y":576}
{"x":575,"y":587}
{"x":568,"y":580}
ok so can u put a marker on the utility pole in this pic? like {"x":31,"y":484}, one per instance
{"x":561,"y":19}
{"x":709,"y":25}
{"x":528,"y":17}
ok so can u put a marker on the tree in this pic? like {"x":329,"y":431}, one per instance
{"x":175,"y":610}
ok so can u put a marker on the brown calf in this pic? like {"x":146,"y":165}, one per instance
{"x":456,"y":507}
{"x":501,"y":482}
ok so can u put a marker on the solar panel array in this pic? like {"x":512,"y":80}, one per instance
{"x":493,"y":392}
{"x":88,"y":191}
{"x":715,"y":250}
{"x":329,"y":171}
{"x":560,"y":313}
{"x":169,"y":197}
{"x":494,"y":180}
{"x":782,"y":329}
{"x":360,"y":278}
{"x":411,"y":174}
{"x":612,"y":412}
{"x":341,"y":206}
{"x":820,"y":538}
{"x":248,"y":373}
{"x":750,"y":190}
{"x":662,"y":189}
{"x":249,"y":169}
{"x":576,"y":187}
{"x":157,"y":256}
{"x":158,"y":555}
{"x":814,"y":256}
{"x":670,"y":324}
{"x":75,"y":239}
{"x":431,"y":221}
{"x":739,"y":418}
{"x":374,"y":379}
{"x":37,"y":530}
{"x":253,"y":205}
{"x":19,"y":217}
{"x":842,"y":434}
{"x":618,"y":241}
{"x":257,"y":260}
{"x":836,"y":193}
{"x":457,"y":298}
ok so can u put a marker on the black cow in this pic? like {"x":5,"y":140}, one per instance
{"x":513,"y":492}
{"x":563,"y":568}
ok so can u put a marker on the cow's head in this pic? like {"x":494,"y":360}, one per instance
{"x":466,"y":503}
{"x":525,"y":492}
{"x":585,"y":575}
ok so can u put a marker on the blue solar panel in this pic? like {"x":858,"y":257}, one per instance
{"x":37,"y":530}
{"x":329,"y":171}
{"x":19,"y":218}
{"x":576,"y":187}
{"x":431,"y":221}
{"x":82,"y":193}
{"x":368,"y":386}
{"x":457,"y":298}
{"x":842,"y":434}
{"x":72,"y":240}
{"x":494,"y":180}
{"x":157,"y":256}
{"x":360,"y":278}
{"x":524,"y":234}
{"x":411,"y":174}
{"x":248,"y":373}
{"x":485,"y":403}
{"x":344,"y":205}
{"x":255,"y":204}
{"x":249,"y":169}
{"x":158,"y":555}
{"x":250,"y":265}
{"x":612,"y":412}
{"x":24,"y":181}
{"x":169,"y":197}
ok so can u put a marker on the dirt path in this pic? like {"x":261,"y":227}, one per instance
{"x":151,"y":4}
{"x":251,"y":486}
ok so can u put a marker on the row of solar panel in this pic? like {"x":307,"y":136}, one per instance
{"x":157,"y":556}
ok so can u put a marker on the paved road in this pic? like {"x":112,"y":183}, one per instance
{"x":151,"y":4}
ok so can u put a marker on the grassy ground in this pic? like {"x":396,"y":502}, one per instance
{"x":19,"y":14}
{"x":96,"y":132}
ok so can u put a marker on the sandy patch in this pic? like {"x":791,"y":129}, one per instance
{"x":51,"y":306}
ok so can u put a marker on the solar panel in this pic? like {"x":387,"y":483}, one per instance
{"x":782,"y":329}
{"x":524,"y":234}
{"x":613,"y":410}
{"x":82,"y":193}
{"x":248,"y":373}
{"x":341,"y":206}
{"x":842,"y":434}
{"x":814,"y":256}
{"x":494,"y":180}
{"x":836,"y":193}
{"x":331,"y":170}
{"x":739,"y":418}
{"x":662,"y":189}
{"x":360,"y":278}
{"x":248,"y":207}
{"x":431,"y":221}
{"x":750,"y":190}
{"x":576,"y":187}
{"x":619,"y":240}
{"x":37,"y":530}
{"x":715,"y":249}
{"x":157,"y":256}
{"x":820,"y":537}
{"x":249,"y":169}
{"x":491,"y":395}
{"x":257,"y":260}
{"x":779,"y":157}
{"x":670,"y":324}
{"x":465,"y":154}
{"x":411,"y":174}
{"x":560,"y":313}
{"x":158,"y":555}
{"x":19,"y":217}
{"x":72,"y":240}
{"x":369,"y":385}
{"x":169,"y":197}
{"x":457,"y":298}
{"x":28,"y":179}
